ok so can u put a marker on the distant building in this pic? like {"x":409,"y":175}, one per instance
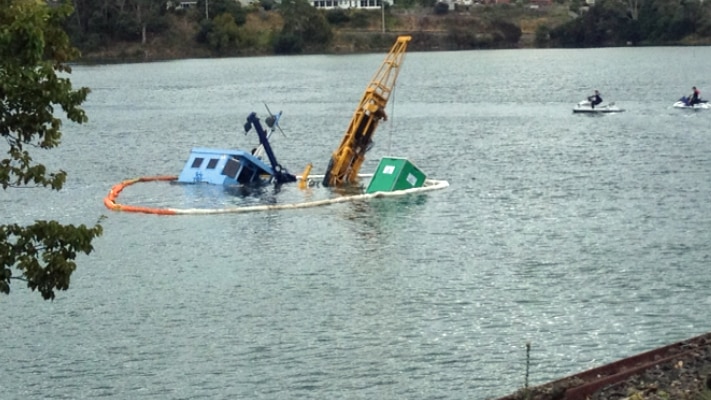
{"x":321,"y":4}
{"x":346,"y":4}
{"x":180,"y":5}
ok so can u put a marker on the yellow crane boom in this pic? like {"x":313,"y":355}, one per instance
{"x":347,"y":159}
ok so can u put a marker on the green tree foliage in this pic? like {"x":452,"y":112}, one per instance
{"x":224,"y":33}
{"x":149,"y":15}
{"x":542,"y":38}
{"x":611,"y":22}
{"x":505,"y":32}
{"x":100,"y":24}
{"x":360,"y":19}
{"x":606,"y":23}
{"x":216,"y":8}
{"x":96,"y":23}
{"x":305,"y":28}
{"x":463,"y":37}
{"x":483,"y":34}
{"x":404,"y":4}
{"x":267,"y":4}
{"x":666,"y":20}
{"x":441,"y":8}
{"x":34,"y":51}
{"x":221,"y":32}
{"x":288,"y":43}
{"x":337,"y":16}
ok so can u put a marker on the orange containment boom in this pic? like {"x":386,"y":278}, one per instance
{"x":111,"y":204}
{"x":346,"y":161}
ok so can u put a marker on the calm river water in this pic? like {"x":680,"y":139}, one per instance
{"x":589,"y":237}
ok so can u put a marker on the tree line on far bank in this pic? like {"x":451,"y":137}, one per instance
{"x":295,"y":26}
{"x":632,"y":22}
{"x":225,"y":27}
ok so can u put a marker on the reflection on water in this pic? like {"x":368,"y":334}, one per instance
{"x":376,"y":217}
{"x":265,"y":193}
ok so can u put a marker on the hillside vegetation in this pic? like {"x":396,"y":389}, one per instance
{"x":137,"y":31}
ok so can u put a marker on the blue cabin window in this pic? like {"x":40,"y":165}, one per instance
{"x":212,"y":163}
{"x":197,"y":162}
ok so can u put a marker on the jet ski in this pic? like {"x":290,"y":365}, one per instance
{"x":586,"y":107}
{"x":684,"y":103}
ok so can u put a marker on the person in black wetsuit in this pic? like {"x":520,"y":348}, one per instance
{"x":695,"y":97}
{"x":595,"y":99}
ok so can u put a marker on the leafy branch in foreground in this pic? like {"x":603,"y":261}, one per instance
{"x":34,"y":51}
{"x":44,"y":253}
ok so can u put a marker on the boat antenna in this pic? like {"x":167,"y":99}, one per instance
{"x":273,"y":120}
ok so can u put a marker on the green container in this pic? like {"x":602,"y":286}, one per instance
{"x":395,"y":173}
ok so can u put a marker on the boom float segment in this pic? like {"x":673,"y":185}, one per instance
{"x":348,"y":158}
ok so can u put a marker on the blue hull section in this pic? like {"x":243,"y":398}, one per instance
{"x":224,"y":167}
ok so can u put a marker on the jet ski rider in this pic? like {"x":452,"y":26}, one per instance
{"x":695,"y":96}
{"x":595,"y":99}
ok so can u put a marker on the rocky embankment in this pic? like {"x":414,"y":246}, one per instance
{"x":681,"y":371}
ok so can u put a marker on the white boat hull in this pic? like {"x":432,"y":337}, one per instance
{"x":699,"y":106}
{"x":585,"y":107}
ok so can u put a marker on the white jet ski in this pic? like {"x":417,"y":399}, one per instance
{"x":586,"y":107}
{"x":684,"y":103}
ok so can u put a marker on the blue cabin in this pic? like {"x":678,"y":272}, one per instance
{"x":223,"y":167}
{"x":230,"y":167}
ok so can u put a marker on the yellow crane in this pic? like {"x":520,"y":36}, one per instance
{"x":346,"y":161}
